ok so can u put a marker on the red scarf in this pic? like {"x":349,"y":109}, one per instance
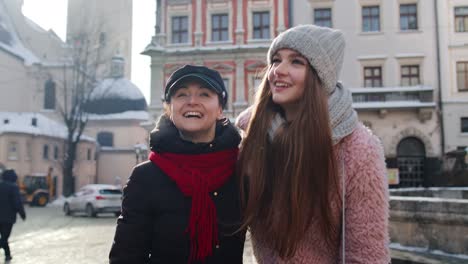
{"x":196,"y":176}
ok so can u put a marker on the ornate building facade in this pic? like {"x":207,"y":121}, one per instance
{"x":229,"y":36}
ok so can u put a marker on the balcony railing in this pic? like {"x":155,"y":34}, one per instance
{"x":420,"y":96}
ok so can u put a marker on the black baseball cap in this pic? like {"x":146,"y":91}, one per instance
{"x":209,"y":78}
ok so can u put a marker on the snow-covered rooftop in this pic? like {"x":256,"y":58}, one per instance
{"x":16,"y":122}
{"x":9,"y":40}
{"x":117,"y":88}
{"x":134,"y":115}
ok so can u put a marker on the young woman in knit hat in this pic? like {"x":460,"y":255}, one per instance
{"x":313,"y":176}
{"x":182,"y":206}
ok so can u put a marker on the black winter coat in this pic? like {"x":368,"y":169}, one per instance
{"x":10,"y":202}
{"x":155,"y":213}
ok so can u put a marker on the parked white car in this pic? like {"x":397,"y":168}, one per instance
{"x":93,"y":199}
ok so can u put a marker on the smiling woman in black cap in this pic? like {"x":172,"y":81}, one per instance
{"x":182,"y":205}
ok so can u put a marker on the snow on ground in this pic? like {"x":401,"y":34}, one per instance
{"x":57,"y":202}
{"x":398,"y":246}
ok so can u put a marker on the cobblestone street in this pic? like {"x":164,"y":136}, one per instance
{"x":49,"y":237}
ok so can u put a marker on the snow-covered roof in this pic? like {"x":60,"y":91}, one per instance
{"x":21,"y":122}
{"x":117,"y":88}
{"x":134,"y":115}
{"x":393,"y":104}
{"x":9,"y":40}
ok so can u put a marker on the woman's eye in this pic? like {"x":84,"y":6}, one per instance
{"x":298,"y":61}
{"x":181,"y":94}
{"x":275,"y":60}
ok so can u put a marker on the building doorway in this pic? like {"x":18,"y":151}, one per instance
{"x":411,"y":156}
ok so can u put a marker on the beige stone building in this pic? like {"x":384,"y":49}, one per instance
{"x":107,"y":24}
{"x":453,"y":35}
{"x":391,"y":68}
{"x":31,"y":143}
{"x":33,"y":76}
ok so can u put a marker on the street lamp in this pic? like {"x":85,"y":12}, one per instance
{"x":138,"y":150}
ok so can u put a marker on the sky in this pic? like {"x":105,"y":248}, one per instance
{"x":55,"y":18}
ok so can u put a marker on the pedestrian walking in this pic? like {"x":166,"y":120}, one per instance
{"x":312,"y":174}
{"x":183,"y":206}
{"x":10,"y":205}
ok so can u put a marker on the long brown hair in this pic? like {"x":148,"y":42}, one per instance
{"x":287,"y":182}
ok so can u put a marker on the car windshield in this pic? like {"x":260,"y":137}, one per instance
{"x":110,"y":191}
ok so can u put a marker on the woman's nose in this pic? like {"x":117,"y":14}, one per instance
{"x":280,"y":69}
{"x":192,"y":99}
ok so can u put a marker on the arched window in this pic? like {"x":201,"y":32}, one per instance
{"x":411,"y":147}
{"x":49,"y":94}
{"x":105,"y":139}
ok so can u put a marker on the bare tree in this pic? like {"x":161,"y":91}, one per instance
{"x":79,"y":80}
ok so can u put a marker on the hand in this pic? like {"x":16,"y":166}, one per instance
{"x":23,"y":217}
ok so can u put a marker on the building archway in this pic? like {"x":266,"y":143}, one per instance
{"x":411,"y":157}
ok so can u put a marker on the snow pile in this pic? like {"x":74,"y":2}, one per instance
{"x":59,"y":202}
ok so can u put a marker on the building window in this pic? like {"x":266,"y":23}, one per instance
{"x":461,"y":19}
{"x":410,"y":75}
{"x":219,"y":27}
{"x":102,"y":39}
{"x":373,"y":76}
{"x":56,"y":152}
{"x":45,"y":152}
{"x":464,"y":124}
{"x":323,"y":17}
{"x":13,"y":153}
{"x":88,"y":154}
{"x":408,"y":17}
{"x":180,"y":29}
{"x":462,"y":76}
{"x":370,"y":18}
{"x":49,"y":94}
{"x":105,"y":139}
{"x":261,"y":25}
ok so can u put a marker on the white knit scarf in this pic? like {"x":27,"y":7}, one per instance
{"x":343,"y":118}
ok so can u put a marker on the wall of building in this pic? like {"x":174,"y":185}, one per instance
{"x":115,"y":166}
{"x":453,"y":47}
{"x":108,"y":23}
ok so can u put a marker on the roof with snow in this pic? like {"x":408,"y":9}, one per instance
{"x":9,"y":40}
{"x":115,"y":95}
{"x":127,"y":115}
{"x":15,"y":122}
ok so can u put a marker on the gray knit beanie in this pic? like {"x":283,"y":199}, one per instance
{"x":322,"y":47}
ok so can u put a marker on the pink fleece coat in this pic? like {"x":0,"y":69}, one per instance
{"x":366,"y":209}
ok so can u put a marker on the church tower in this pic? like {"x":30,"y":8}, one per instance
{"x":107,"y":24}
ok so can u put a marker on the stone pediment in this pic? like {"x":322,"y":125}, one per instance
{"x":178,"y":2}
{"x":222,"y":67}
{"x":256,"y":65}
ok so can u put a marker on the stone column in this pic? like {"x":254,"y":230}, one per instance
{"x":157,"y":85}
{"x":160,"y":33}
{"x":240,"y":24}
{"x":198,"y":25}
{"x":281,"y":27}
{"x":240,"y":103}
